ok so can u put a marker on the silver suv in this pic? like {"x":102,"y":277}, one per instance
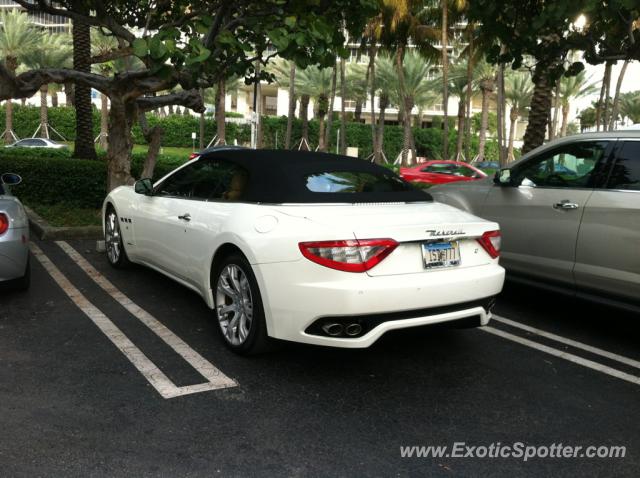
{"x":569,"y":212}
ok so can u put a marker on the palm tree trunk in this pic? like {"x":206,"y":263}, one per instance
{"x":44,"y":114}
{"x":104,"y":121}
{"x":81,"y":36}
{"x":553,"y":127}
{"x":384,"y":102}
{"x":321,"y":128}
{"x":482,"y":140}
{"x":304,"y":116}
{"x":8,"y":122}
{"x":513,"y":116}
{"x":445,"y":78}
{"x":469,"y":97}
{"x":407,"y":153}
{"x":343,"y":112}
{"x":460,"y":138}
{"x":616,"y":100}
{"x":357,"y":113}
{"x":292,"y":105}
{"x":323,"y":102}
{"x":501,"y":113}
{"x":54,"y":99}
{"x":539,"y":109}
{"x":605,"y":113}
{"x":220,"y":110}
{"x":565,"y":119}
{"x":372,"y":95}
{"x":602,"y":100}
{"x":332,"y":98}
{"x":202,"y":123}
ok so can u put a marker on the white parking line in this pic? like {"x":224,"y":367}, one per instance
{"x":205,"y":368}
{"x":572,"y":343}
{"x":165,"y":387}
{"x":564,"y":355}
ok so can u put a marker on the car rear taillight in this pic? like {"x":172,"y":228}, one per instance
{"x":491,"y":242}
{"x":353,"y":255}
{"x":4,"y":223}
{"x":193,"y":156}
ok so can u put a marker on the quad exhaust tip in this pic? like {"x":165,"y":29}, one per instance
{"x":353,"y":329}
{"x":333,"y":329}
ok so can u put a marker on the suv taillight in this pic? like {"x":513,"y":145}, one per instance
{"x":491,"y":242}
{"x":352,"y":255}
{"x":4,"y":223}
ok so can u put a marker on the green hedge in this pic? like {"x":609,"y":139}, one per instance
{"x":79,"y":183}
{"x":178,"y":129}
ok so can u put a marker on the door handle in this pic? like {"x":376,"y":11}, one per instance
{"x":565,"y":204}
{"x":185,"y":217}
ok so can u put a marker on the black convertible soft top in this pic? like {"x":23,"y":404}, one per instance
{"x":282,"y":176}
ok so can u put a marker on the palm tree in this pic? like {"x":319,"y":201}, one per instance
{"x":386,"y":87}
{"x":630,"y":106}
{"x":315,"y":83}
{"x":518,"y":90}
{"x":573,"y":88}
{"x":81,"y":34}
{"x":101,"y":45}
{"x":356,"y":87}
{"x":53,"y":52}
{"x":486,"y":77}
{"x":18,"y":36}
{"x":458,"y":87}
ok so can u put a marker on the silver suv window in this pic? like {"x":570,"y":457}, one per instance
{"x":626,"y":170}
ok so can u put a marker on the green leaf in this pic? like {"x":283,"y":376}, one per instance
{"x":140,"y":48}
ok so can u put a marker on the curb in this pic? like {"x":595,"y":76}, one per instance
{"x":42,"y":230}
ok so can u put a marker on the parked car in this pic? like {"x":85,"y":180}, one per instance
{"x":14,"y":237}
{"x":569,"y":212}
{"x":484,"y":165}
{"x":440,"y":172}
{"x":37,"y":143}
{"x":306,"y":247}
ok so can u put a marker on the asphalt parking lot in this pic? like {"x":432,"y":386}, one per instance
{"x":121,"y":373}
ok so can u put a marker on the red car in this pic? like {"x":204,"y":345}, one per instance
{"x":440,"y":172}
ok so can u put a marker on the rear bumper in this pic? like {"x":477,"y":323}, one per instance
{"x":293,"y":303}
{"x":14,"y":253}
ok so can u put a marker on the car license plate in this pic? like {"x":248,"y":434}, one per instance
{"x":440,"y":254}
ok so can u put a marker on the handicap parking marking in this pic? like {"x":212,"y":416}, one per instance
{"x":164,"y":386}
{"x":563,"y":355}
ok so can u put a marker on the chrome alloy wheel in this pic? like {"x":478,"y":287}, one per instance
{"x":234,"y":304}
{"x":112,"y":237}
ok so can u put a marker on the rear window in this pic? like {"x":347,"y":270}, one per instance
{"x":354,"y":182}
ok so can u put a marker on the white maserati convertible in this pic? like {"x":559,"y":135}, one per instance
{"x":306,"y":247}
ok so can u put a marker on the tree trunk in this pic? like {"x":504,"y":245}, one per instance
{"x":445,"y":79}
{"x":304,"y":116}
{"x":153,"y":137}
{"x":513,"y":116}
{"x":292,"y":105}
{"x":220,"y":110}
{"x":605,"y":118}
{"x":8,"y":122}
{"x":484,"y":122}
{"x":104,"y":121}
{"x":565,"y":119}
{"x":44,"y":113}
{"x":321,"y":145}
{"x":357,"y":113}
{"x":616,"y":100}
{"x":121,"y":117}
{"x":468,"y":98}
{"x":379,"y":146}
{"x":553,"y":126}
{"x":460,"y":129}
{"x":539,"y":110}
{"x":81,"y":35}
{"x":202,"y":123}
{"x":501,"y":115}
{"x":69,"y":94}
{"x":171,"y":110}
{"x":372,"y":95}
{"x":54,"y":99}
{"x":602,"y":99}
{"x":343,"y":113}
{"x":322,"y":111}
{"x":329,"y":130}
{"x":408,"y":154}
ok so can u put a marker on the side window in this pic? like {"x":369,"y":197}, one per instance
{"x":219,"y":180}
{"x":206,"y":180}
{"x":569,"y":166}
{"x":626,"y":170}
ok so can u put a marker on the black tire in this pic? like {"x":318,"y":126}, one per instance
{"x":256,"y":341}
{"x":23,"y":282}
{"x":119,"y":259}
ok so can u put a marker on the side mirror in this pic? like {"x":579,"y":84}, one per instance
{"x":144,"y":186}
{"x":10,"y":179}
{"x":503,"y":178}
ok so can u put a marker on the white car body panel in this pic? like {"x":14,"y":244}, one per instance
{"x":295,"y":291}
